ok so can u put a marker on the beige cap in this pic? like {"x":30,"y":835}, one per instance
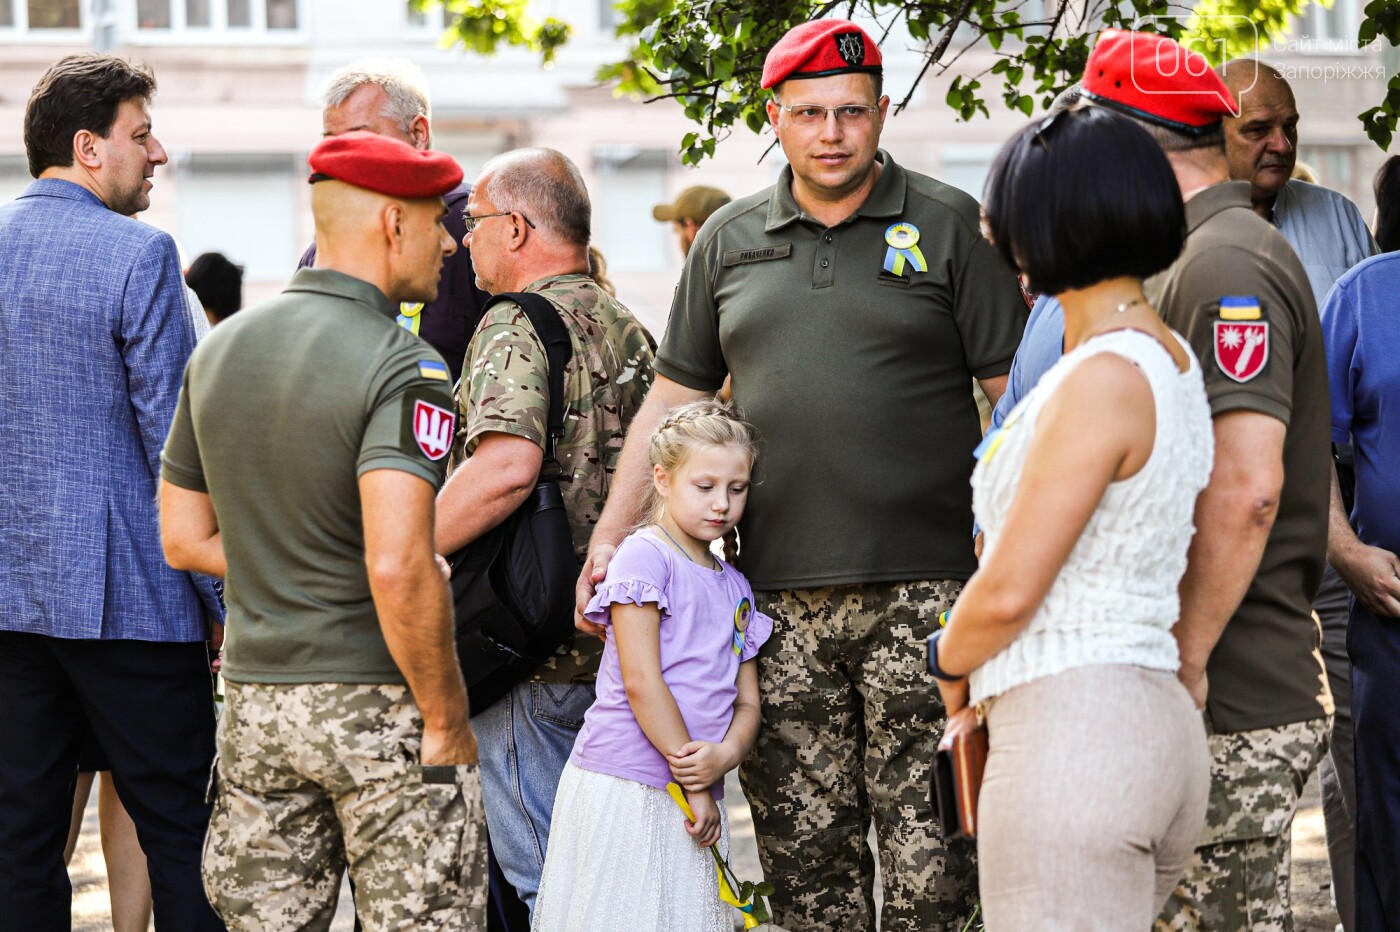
{"x":695,"y":203}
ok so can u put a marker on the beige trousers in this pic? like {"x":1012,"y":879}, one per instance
{"x":1094,"y":797}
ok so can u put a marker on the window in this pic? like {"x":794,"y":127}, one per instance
{"x":7,"y":13}
{"x":1333,"y":165}
{"x":153,"y":14}
{"x":53,"y":14}
{"x":244,"y":206}
{"x":1329,"y":31}
{"x":630,"y":182}
{"x":215,"y":16}
{"x":966,"y":167}
{"x":14,"y":177}
{"x":607,"y":15}
{"x":424,"y":18}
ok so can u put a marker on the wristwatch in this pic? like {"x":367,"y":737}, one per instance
{"x":938,"y":672}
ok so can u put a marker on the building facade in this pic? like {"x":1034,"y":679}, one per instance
{"x":236,"y":111}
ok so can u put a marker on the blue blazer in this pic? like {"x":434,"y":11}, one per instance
{"x":94,"y":335}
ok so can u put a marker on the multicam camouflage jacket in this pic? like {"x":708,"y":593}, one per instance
{"x":505,"y":388}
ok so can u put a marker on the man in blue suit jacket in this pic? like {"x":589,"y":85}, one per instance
{"x":96,"y":631}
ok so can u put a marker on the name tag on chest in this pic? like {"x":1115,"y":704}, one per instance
{"x":758,"y":254}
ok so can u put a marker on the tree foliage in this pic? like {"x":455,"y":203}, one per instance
{"x":708,"y":54}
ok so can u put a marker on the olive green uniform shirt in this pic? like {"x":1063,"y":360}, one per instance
{"x":859,"y":380}
{"x":505,"y":388}
{"x":284,"y":406}
{"x":1267,"y":670}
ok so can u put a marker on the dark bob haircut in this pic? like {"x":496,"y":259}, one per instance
{"x":1082,"y":197}
{"x":217,"y":282}
{"x":1387,"y":188}
{"x":79,"y":92}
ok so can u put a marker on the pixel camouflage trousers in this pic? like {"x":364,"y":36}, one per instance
{"x":312,"y":777}
{"x":1237,"y":880}
{"x":851,"y":720}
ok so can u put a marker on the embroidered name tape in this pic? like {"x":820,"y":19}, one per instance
{"x":759,"y":254}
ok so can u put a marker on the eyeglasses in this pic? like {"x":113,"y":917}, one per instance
{"x":471,"y":222}
{"x":846,"y":114}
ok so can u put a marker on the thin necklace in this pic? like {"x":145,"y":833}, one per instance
{"x":1116,"y":311}
{"x":662,"y":528}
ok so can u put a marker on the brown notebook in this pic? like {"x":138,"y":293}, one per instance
{"x":957,"y":782}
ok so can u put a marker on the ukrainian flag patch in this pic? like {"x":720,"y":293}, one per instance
{"x":431,"y":369}
{"x":1240,"y":307}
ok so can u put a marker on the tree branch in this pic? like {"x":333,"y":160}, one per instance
{"x":937,"y":52}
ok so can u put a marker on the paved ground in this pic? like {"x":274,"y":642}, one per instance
{"x":1312,"y":908}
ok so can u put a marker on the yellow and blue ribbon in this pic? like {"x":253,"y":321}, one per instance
{"x":410,"y":317}
{"x":903,"y":240}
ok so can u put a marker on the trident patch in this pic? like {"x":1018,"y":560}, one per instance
{"x":432,"y":429}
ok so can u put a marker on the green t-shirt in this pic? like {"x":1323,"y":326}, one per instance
{"x":858,"y":379}
{"x":283,"y":407}
{"x":1241,"y":297}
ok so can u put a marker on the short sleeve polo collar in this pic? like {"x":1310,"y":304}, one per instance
{"x":1213,"y":200}
{"x":340,"y":285}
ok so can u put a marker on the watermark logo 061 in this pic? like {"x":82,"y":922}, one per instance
{"x":1161,"y":70}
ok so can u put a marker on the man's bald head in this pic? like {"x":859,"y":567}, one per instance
{"x":1262,"y":142}
{"x":545,"y":186}
{"x":397,"y":244}
{"x":345,"y":213}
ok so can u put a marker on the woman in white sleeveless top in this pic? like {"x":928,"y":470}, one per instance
{"x":1095,"y":789}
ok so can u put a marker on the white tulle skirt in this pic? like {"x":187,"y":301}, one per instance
{"x":619,"y":858}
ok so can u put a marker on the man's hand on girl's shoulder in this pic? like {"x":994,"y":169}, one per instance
{"x":595,"y":570}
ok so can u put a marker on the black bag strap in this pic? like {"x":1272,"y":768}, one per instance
{"x":559,"y":349}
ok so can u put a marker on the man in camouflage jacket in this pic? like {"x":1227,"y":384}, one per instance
{"x":528,"y":226}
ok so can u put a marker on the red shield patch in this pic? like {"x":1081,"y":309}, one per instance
{"x":432,"y":428}
{"x":1241,"y":348}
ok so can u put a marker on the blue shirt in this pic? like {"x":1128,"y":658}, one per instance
{"x":1361,"y":328}
{"x":1042,"y":345}
{"x":94,"y":335}
{"x":1324,"y":228}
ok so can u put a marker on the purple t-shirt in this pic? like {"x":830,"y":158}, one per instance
{"x":708,"y":627}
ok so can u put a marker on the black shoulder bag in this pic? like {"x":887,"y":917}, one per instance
{"x":513,"y":587}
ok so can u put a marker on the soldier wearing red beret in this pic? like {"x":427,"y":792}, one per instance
{"x":309,"y":441}
{"x":853,"y":303}
{"x":1248,"y":640}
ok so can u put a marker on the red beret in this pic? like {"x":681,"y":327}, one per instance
{"x":1155,"y":79}
{"x":388,"y":166}
{"x":820,"y":48}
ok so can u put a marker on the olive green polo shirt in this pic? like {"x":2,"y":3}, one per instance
{"x":284,"y":406}
{"x":858,"y":379}
{"x":1261,"y":350}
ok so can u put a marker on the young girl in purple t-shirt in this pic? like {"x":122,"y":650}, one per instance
{"x":677,"y":700}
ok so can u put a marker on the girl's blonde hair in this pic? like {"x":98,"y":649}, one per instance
{"x":699,"y":423}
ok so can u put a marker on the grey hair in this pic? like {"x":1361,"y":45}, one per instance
{"x":1169,"y":139}
{"x":403,"y":83}
{"x":545,"y":185}
{"x":1068,"y":99}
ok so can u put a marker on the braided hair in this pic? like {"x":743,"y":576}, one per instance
{"x":700,"y":423}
